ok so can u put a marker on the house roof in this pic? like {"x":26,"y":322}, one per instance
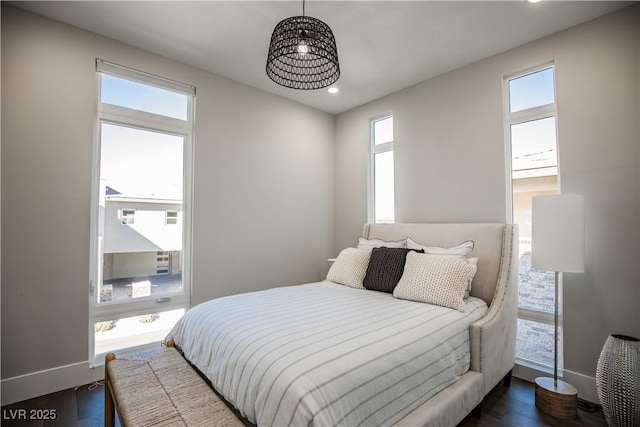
{"x":112,"y":195}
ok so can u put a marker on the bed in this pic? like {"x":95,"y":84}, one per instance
{"x":329,"y":354}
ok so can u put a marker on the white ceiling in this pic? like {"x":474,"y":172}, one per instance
{"x":383,"y":46}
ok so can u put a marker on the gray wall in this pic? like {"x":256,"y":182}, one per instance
{"x":449,"y":145}
{"x":264,"y":186}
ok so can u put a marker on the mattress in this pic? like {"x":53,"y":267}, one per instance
{"x":323,"y":354}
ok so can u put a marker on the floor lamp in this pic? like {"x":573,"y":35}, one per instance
{"x":557,"y":244}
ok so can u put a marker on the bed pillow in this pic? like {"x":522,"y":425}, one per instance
{"x":435,"y":279}
{"x":385,"y":268}
{"x":463,"y":249}
{"x":369,"y":244}
{"x":350,"y":267}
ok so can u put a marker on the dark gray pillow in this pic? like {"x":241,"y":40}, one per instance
{"x":385,"y":268}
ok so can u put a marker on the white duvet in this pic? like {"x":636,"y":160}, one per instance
{"x":323,"y":354}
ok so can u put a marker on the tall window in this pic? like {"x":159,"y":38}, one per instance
{"x":140,"y":279}
{"x":381,"y":197}
{"x":531,"y":129}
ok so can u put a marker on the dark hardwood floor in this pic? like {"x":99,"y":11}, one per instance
{"x":514,"y":406}
{"x":504,"y":407}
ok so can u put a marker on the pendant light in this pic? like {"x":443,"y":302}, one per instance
{"x":303,"y":53}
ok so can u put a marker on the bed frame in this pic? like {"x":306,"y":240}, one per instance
{"x":493,"y":338}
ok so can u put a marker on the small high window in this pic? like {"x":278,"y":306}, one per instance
{"x":127,"y":216}
{"x":138,"y":96}
{"x":171,"y":217}
{"x":531,"y":90}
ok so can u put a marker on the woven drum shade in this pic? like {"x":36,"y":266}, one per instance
{"x":303,"y":54}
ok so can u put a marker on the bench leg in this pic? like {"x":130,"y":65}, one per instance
{"x":109,"y":407}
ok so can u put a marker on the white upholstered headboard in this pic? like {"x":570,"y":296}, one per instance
{"x":495,"y":246}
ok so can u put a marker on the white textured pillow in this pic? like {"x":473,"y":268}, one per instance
{"x":463,"y":249}
{"x":435,"y":279}
{"x":369,"y":244}
{"x":350,"y":268}
{"x":460,"y":251}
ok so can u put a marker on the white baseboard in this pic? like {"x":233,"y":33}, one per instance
{"x":36,"y":384}
{"x":585,"y":384}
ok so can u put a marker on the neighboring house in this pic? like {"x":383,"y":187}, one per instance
{"x":142,"y":236}
{"x":534,"y":174}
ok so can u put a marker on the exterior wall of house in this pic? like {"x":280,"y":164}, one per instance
{"x":524,"y":189}
{"x":137,"y":264}
{"x":449,"y":148}
{"x":149,"y":231}
{"x":134,"y":264}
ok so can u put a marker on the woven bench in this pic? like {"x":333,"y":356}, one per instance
{"x":161,"y":388}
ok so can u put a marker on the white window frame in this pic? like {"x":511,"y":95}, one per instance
{"x":517,"y":117}
{"x":174,"y":219}
{"x":122,"y":116}
{"x":127,"y":216}
{"x":373,"y":150}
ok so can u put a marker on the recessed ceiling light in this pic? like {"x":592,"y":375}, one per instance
{"x":334,"y":90}
{"x":533,"y":1}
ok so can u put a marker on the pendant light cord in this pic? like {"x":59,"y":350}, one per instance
{"x":303,"y":8}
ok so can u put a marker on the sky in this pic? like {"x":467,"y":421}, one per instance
{"x":138,"y":162}
{"x":531,"y":90}
{"x":533,"y":143}
{"x":143,"y":97}
{"x":141,"y":163}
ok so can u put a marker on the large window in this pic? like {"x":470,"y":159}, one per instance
{"x":531,"y":129}
{"x":381,"y":197}
{"x":532,"y":143}
{"x":140,"y":278}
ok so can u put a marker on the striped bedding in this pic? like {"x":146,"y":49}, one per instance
{"x":323,"y":354}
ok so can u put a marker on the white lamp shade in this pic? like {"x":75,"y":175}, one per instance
{"x":557,"y":235}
